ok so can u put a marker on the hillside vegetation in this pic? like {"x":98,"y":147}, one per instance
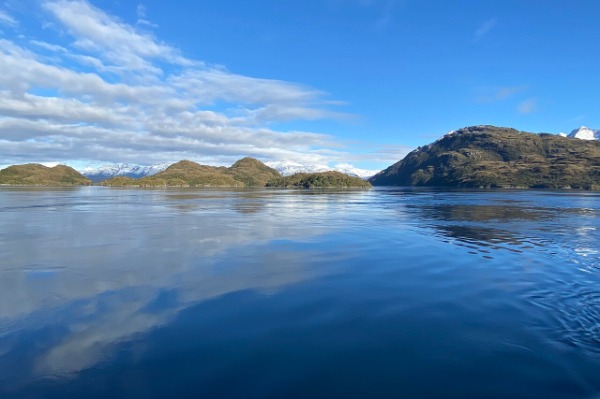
{"x":247,"y":172}
{"x":488,"y":156}
{"x":33,"y":174}
{"x":319,"y":180}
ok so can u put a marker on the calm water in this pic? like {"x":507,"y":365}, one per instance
{"x":108,"y":293}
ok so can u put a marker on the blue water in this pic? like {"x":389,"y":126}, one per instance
{"x":386,"y":293}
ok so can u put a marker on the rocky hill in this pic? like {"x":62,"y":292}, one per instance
{"x":33,"y":174}
{"x":488,"y":156}
{"x":247,"y":172}
{"x":319,"y":180}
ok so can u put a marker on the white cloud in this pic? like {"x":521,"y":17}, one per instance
{"x":114,"y":94}
{"x":118,"y":42}
{"x":48,"y":46}
{"x":141,"y":15}
{"x":6,"y":19}
{"x":141,"y":11}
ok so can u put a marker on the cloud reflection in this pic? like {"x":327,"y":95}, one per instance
{"x":102,"y":263}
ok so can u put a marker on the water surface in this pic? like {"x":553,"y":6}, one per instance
{"x":110,"y":293}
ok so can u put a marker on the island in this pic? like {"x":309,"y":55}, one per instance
{"x":247,"y":172}
{"x":33,"y":174}
{"x":497,"y":157}
{"x":319,"y":180}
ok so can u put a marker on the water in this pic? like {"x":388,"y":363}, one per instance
{"x":108,"y":293}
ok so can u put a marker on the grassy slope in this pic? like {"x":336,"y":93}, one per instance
{"x":246,"y":172}
{"x":40,"y":175}
{"x":319,"y":180}
{"x":487,"y":156}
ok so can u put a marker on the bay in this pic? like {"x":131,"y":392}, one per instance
{"x":256,"y":293}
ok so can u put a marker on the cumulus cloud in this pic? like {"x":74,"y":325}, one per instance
{"x":103,"y":91}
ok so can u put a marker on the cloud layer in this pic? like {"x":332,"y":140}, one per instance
{"x":103,"y":91}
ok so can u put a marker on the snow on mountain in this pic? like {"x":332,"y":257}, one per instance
{"x":287,"y":168}
{"x":585,"y":133}
{"x":123,"y":169}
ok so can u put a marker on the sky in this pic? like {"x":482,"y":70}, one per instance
{"x":358,"y":83}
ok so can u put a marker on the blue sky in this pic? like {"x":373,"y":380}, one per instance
{"x":358,"y":82}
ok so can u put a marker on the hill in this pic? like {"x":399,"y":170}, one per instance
{"x":39,"y":175}
{"x":247,"y":172}
{"x":252,"y":172}
{"x":319,"y":180}
{"x":488,"y":156}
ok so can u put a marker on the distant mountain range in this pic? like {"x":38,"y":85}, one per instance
{"x":123,"y":169}
{"x":288,"y":168}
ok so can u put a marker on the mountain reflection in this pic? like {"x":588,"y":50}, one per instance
{"x":506,"y":225}
{"x":485,"y":213}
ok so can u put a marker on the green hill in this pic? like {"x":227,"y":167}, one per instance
{"x":319,"y":180}
{"x":488,"y":156}
{"x":252,"y":172}
{"x":247,"y":172}
{"x":39,"y":175}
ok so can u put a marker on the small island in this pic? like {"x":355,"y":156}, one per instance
{"x":33,"y":174}
{"x":319,"y":180}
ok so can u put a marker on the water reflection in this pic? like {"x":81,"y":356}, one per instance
{"x":301,"y":286}
{"x":484,"y":222}
{"x":110,"y":268}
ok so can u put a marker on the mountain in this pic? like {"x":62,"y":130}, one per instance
{"x":288,"y":168}
{"x":585,"y":133}
{"x":123,"y":169}
{"x":319,"y":180}
{"x":246,"y":172}
{"x":488,"y":156}
{"x":40,"y":175}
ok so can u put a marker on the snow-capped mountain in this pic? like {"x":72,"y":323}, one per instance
{"x":287,"y":168}
{"x":585,"y":133}
{"x":123,"y":169}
